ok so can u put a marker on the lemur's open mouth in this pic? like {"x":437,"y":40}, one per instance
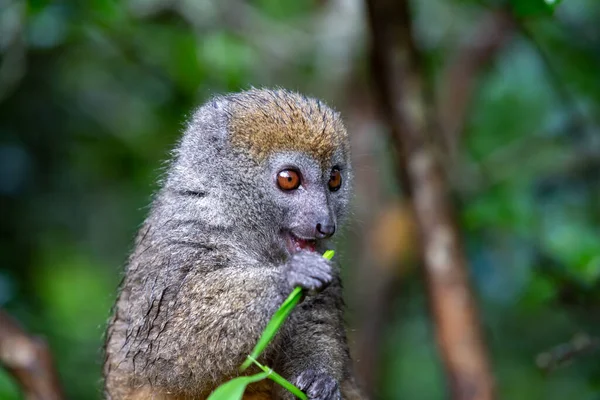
{"x":295,"y":244}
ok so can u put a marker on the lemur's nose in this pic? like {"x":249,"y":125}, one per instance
{"x":325,"y":230}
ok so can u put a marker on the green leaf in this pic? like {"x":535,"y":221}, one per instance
{"x":534,"y":8}
{"x":280,"y":380}
{"x":552,"y":3}
{"x":277,"y":320}
{"x":273,"y":326}
{"x":234,"y":389}
{"x":328,"y":254}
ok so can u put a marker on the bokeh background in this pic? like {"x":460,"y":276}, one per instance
{"x":94,"y":94}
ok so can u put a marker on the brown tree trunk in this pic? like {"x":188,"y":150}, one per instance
{"x":402,"y":93}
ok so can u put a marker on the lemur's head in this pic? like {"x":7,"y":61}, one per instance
{"x":275,"y":161}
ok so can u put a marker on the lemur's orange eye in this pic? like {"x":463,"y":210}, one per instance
{"x":288,"y":179}
{"x":335,"y":180}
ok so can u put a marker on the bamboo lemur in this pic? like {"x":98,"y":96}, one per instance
{"x":258,"y":183}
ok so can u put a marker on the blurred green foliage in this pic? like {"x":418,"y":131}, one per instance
{"x":94,"y":94}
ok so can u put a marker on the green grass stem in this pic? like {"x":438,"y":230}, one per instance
{"x":277,"y":320}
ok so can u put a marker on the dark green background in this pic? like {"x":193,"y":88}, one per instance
{"x":94,"y":94}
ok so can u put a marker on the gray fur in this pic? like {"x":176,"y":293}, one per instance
{"x":209,"y":269}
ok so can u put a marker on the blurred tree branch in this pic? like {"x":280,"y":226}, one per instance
{"x":28,"y":360}
{"x":396,"y":72}
{"x":13,"y":60}
{"x":460,"y":76}
{"x":383,"y":241}
{"x":371,"y":282}
{"x":581,"y":344}
{"x":578,"y":122}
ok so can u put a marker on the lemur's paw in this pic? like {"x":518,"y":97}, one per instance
{"x":308,"y":270}
{"x":318,"y":385}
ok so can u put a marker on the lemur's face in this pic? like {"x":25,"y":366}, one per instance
{"x":312,"y":195}
{"x":304,"y":148}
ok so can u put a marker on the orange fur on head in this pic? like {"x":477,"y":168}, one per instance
{"x":264,"y":122}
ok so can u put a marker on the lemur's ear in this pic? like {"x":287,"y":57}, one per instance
{"x":211,"y":120}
